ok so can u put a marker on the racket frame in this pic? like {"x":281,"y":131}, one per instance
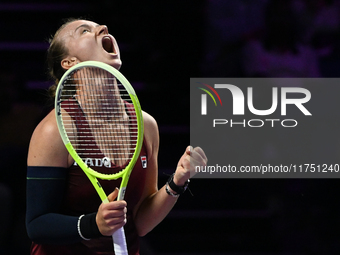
{"x":91,"y":174}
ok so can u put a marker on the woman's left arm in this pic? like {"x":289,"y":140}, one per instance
{"x":155,"y":204}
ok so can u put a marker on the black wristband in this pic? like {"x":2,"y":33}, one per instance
{"x":88,"y":226}
{"x":178,"y":189}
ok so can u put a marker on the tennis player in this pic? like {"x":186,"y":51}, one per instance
{"x":64,"y":213}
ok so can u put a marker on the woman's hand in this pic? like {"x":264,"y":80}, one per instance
{"x":192,"y":158}
{"x":111,"y":216}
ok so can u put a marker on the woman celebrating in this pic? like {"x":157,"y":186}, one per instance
{"x":64,"y":212}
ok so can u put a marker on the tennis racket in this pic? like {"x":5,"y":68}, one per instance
{"x":99,"y":118}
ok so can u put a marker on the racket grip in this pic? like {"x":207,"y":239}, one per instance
{"x":119,"y":242}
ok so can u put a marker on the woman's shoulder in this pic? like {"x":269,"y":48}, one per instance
{"x":46,"y":146}
{"x":151,"y":134}
{"x":149,"y":121}
{"x":47,"y":126}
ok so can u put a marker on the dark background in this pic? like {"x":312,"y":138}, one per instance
{"x":163,"y":44}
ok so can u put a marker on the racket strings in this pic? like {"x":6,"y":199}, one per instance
{"x":99,"y":119}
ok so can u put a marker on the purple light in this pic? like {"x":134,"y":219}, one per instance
{"x":24,"y":46}
{"x":41,"y":7}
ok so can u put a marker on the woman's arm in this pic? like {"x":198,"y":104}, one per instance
{"x":156,"y":204}
{"x":48,"y":161}
{"x":46,"y":181}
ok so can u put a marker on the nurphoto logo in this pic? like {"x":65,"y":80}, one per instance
{"x":238,"y":104}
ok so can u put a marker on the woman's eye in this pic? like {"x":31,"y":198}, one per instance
{"x":85,"y":31}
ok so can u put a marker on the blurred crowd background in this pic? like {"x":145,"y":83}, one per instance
{"x":163,"y":44}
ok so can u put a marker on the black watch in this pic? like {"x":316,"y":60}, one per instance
{"x":178,"y":189}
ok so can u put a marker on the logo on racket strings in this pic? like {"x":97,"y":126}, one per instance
{"x":97,"y":162}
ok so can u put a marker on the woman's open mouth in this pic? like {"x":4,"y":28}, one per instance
{"x":108,"y":45}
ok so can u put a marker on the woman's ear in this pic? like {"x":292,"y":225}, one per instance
{"x":68,"y":62}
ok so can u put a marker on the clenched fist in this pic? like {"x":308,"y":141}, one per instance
{"x":191,"y":158}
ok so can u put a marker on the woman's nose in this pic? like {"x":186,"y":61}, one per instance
{"x":102,"y":30}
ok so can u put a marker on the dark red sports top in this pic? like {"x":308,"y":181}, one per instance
{"x":82,"y":198}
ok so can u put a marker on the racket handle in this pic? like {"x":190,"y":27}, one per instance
{"x":119,"y":242}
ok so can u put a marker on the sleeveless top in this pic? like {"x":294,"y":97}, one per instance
{"x":82,"y":198}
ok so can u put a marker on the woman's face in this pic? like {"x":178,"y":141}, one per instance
{"x":86,"y":40}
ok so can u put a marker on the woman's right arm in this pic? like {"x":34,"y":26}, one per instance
{"x":47,"y":163}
